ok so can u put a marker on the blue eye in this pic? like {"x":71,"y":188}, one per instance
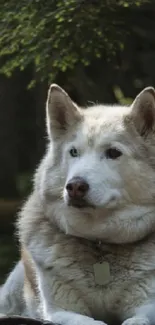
{"x":73,"y":152}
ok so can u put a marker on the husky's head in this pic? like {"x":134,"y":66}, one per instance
{"x":98,"y":177}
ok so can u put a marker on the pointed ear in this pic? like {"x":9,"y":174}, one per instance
{"x":61,"y":111}
{"x":143,"y":111}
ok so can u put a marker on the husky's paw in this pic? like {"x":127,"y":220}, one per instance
{"x":136,"y":321}
{"x":69,"y":318}
{"x":93,"y":322}
{"x":81,"y":322}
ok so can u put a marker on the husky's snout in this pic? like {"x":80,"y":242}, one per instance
{"x":77,"y":187}
{"x":76,"y":190}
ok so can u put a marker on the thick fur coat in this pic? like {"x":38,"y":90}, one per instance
{"x":87,"y":231}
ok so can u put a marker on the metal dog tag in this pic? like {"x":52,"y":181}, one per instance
{"x":101,"y":273}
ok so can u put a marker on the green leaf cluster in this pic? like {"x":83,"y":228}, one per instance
{"x":56,"y":35}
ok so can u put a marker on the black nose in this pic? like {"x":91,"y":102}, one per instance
{"x":77,"y":187}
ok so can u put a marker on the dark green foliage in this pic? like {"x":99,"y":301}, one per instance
{"x":58,"y":35}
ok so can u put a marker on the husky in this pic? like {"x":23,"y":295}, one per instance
{"x":87,"y":231}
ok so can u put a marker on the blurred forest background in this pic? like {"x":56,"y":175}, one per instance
{"x":97,"y":50}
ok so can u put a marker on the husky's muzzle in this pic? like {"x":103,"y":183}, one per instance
{"x":77,"y":189}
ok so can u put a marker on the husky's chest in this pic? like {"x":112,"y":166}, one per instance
{"x":109,"y":265}
{"x":127,"y":267}
{"x":118,"y":263}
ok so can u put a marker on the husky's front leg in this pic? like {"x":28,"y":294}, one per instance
{"x":11,"y":293}
{"x":137,"y":320}
{"x":144,"y":315}
{"x":61,"y":303}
